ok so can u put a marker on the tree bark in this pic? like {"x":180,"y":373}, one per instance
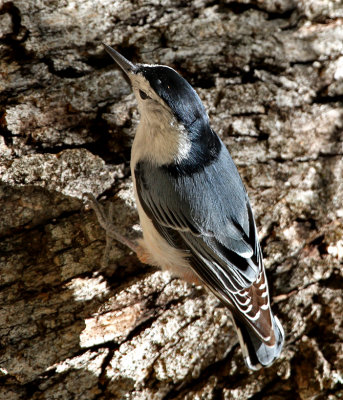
{"x":270,"y":74}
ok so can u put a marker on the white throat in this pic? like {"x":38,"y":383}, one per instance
{"x":160,"y":139}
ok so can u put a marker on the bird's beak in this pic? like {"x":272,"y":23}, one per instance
{"x":124,"y":64}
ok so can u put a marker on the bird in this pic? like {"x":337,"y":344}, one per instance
{"x":194,"y":210}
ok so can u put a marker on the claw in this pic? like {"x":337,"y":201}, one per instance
{"x":105,"y":220}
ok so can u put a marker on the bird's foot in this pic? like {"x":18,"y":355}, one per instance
{"x":105,"y":219}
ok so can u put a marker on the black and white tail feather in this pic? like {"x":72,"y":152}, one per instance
{"x":259,"y":350}
{"x":256,"y":353}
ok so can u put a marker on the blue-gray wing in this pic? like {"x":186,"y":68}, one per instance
{"x":208,"y":213}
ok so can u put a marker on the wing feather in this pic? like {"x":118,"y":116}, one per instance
{"x":208,"y":213}
{"x":205,"y":220}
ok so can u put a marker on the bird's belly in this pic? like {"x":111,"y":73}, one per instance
{"x":162,"y":254}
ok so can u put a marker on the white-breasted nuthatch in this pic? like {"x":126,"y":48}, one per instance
{"x":194,"y":211}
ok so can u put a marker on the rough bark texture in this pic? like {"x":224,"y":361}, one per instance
{"x":271,"y":76}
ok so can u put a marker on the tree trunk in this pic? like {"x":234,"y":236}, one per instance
{"x":270,"y":74}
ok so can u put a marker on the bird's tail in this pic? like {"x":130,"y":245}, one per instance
{"x":256,"y":353}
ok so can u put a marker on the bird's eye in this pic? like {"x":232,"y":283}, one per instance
{"x":143,"y":95}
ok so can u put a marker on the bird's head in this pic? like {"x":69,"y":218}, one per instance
{"x":159,"y":89}
{"x":164,"y":95}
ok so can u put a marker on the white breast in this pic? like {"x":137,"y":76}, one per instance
{"x":146,"y":147}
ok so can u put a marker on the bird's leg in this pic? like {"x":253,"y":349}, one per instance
{"x":105,"y":219}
